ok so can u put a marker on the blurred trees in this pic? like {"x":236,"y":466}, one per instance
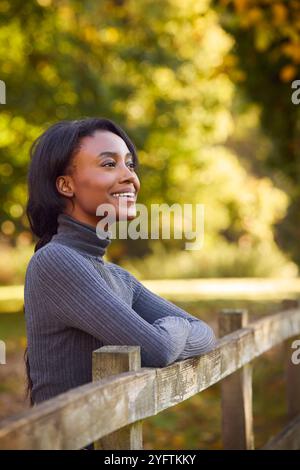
{"x":163,"y":75}
{"x":263,"y":62}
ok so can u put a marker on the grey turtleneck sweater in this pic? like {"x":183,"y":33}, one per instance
{"x":75,"y":302}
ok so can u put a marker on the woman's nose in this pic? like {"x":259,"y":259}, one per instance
{"x":127,"y":174}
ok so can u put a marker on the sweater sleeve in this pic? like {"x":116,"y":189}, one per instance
{"x":83,"y":300}
{"x":150,"y":306}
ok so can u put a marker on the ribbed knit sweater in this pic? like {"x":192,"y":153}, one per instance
{"x":76,"y":302}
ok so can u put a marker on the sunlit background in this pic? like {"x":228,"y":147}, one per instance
{"x":203,"y":88}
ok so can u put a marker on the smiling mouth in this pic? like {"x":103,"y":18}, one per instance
{"x":130,"y":197}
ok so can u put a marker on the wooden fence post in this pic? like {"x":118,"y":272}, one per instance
{"x":292,"y":371}
{"x":236,"y":390}
{"x":113,"y":360}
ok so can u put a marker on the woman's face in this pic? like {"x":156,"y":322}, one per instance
{"x":103,"y":166}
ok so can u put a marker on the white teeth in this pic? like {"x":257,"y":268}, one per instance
{"x":123,"y":194}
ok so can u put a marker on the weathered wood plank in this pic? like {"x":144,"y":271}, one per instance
{"x":113,"y":360}
{"x":236,"y":391}
{"x":292,"y":370}
{"x":287,"y":439}
{"x":82,"y":415}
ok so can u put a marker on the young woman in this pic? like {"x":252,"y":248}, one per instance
{"x":75,"y":302}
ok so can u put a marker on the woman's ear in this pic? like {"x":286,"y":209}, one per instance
{"x":64,"y":186}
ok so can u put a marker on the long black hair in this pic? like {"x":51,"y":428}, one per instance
{"x":51,"y":155}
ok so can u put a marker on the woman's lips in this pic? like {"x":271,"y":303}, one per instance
{"x":126,"y":198}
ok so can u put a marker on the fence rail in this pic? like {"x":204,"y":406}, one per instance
{"x":110,"y":410}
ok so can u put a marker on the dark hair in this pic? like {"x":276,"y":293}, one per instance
{"x":51,"y":156}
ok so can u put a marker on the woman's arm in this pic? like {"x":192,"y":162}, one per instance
{"x":201,"y":340}
{"x":151,"y":307}
{"x":82,"y":300}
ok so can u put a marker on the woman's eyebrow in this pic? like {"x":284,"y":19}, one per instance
{"x":113,"y":154}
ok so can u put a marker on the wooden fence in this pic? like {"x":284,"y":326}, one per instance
{"x":110,"y":410}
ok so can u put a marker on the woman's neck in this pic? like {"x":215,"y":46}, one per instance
{"x":81,"y":236}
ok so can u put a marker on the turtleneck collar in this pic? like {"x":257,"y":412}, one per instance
{"x":81,"y":236}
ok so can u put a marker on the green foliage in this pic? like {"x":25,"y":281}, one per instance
{"x":263,"y":62}
{"x":220,"y":260}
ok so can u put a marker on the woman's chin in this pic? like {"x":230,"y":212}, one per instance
{"x":130,"y":214}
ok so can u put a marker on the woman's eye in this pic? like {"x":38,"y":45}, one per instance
{"x":131,"y":164}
